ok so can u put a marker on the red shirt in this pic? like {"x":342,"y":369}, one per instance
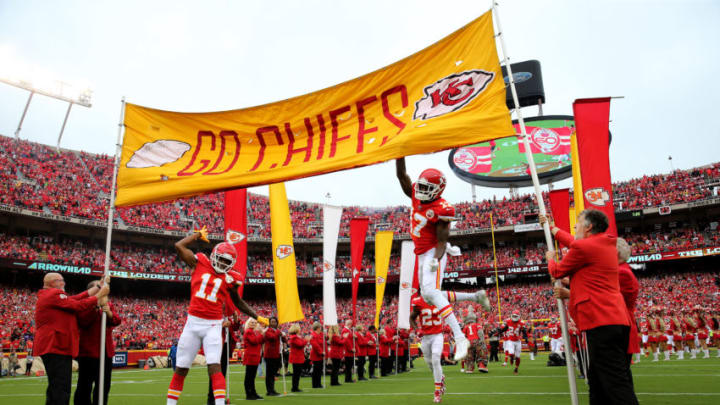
{"x":316,"y":347}
{"x":473,"y":331}
{"x":514,"y":329}
{"x":371,"y":342}
{"x":385,"y":343}
{"x":252,"y":343}
{"x":297,"y":349}
{"x":90,"y":322}
{"x":423,"y":218}
{"x":56,"y":329}
{"x":272,"y":344}
{"x":209,"y":290}
{"x":337,"y":347}
{"x":360,"y":345}
{"x":347,"y":336}
{"x":555,"y":330}
{"x":430,"y":322}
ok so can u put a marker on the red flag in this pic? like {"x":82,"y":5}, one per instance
{"x":358,"y":233}
{"x":236,"y":230}
{"x":550,"y":141}
{"x":560,"y":206}
{"x":592,"y":119}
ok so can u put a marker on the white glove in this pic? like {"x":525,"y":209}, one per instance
{"x":453,"y":250}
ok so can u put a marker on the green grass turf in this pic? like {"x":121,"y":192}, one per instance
{"x":684,"y":382}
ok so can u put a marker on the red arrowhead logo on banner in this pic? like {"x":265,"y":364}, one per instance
{"x":234,"y":237}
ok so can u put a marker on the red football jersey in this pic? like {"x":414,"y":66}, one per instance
{"x":423,"y":218}
{"x":555,"y":330}
{"x":514,"y":329}
{"x":430,"y":322}
{"x":473,"y":331}
{"x":644,"y":328}
{"x":208,"y":289}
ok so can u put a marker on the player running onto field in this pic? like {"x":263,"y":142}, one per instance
{"x":211,"y":286}
{"x":432,"y":340}
{"x":430,"y":218}
{"x":515,"y":328}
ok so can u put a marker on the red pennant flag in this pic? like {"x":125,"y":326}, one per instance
{"x":358,"y":233}
{"x":236,"y":230}
{"x":592,"y":119}
{"x":550,"y":141}
{"x":560,"y":206}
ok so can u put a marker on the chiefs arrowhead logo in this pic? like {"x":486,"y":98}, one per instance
{"x":234,"y":237}
{"x":327,"y":266}
{"x":380,"y":280}
{"x":597,"y":196}
{"x":356,"y":272}
{"x":229,"y":279}
{"x":283,"y":251}
{"x":451,"y":93}
{"x":405,"y":285}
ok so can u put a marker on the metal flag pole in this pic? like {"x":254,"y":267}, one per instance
{"x":108,"y":239}
{"x":377,"y":351}
{"x":227,"y":361}
{"x":541,"y":206}
{"x":396,"y":353}
{"x":324,"y":358}
{"x":497,"y":285}
{"x":282,"y":368}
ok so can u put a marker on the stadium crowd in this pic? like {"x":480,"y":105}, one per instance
{"x":155,"y":323}
{"x":37,"y":177}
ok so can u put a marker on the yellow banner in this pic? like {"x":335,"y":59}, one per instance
{"x":383,"y":246}
{"x":286,"y":291}
{"x":577,"y":180}
{"x":447,"y":95}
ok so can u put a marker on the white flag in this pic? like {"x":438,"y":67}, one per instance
{"x":407,"y":268}
{"x":331,"y":230}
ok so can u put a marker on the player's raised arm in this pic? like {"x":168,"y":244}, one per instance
{"x":403,"y":177}
{"x":413,"y":316}
{"x":184,"y":252}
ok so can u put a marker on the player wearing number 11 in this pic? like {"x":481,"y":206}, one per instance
{"x":211,"y":286}
{"x":430,"y":219}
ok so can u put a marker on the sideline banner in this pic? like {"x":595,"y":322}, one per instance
{"x":383,"y":247}
{"x":448,"y":95}
{"x":283,"y":251}
{"x":407,"y":267}
{"x":236,"y":230}
{"x":358,"y":234}
{"x":331,"y":231}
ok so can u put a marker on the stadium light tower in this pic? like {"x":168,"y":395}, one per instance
{"x":51,"y":88}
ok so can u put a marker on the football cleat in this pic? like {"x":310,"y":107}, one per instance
{"x":461,"y":348}
{"x":482,"y":367}
{"x":482,"y":299}
{"x":430,"y":185}
{"x":438,"y":397}
{"x":223,"y":257}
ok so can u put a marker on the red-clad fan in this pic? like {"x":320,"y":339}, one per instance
{"x":432,"y":340}
{"x":361,"y":352}
{"x":348,"y":336}
{"x":372,"y":353}
{"x":317,"y":354}
{"x":210,"y":287}
{"x":252,"y":346}
{"x":337,"y":352}
{"x":386,"y":342}
{"x":271,"y":353}
{"x":403,"y":350}
{"x":297,"y":355}
{"x":514,"y":329}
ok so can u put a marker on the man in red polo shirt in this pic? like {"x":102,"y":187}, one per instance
{"x":88,"y":359}
{"x":57,"y":338}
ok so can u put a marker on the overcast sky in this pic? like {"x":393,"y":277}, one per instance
{"x":662,"y":56}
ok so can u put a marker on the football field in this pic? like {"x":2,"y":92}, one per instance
{"x":684,"y":382}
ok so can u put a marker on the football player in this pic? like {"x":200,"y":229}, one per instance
{"x":211,"y":285}
{"x":432,"y":340}
{"x":430,"y":219}
{"x":514,"y":328}
{"x":556,"y":342}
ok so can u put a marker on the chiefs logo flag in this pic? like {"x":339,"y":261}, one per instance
{"x":383,"y":246}
{"x":286,"y":291}
{"x":448,"y":95}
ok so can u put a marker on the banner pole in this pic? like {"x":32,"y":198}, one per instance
{"x":227,"y":361}
{"x":396,"y":353}
{"x":497,"y":285}
{"x":282,"y":365}
{"x":541,"y":206}
{"x":108,"y":240}
{"x":324,"y":357}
